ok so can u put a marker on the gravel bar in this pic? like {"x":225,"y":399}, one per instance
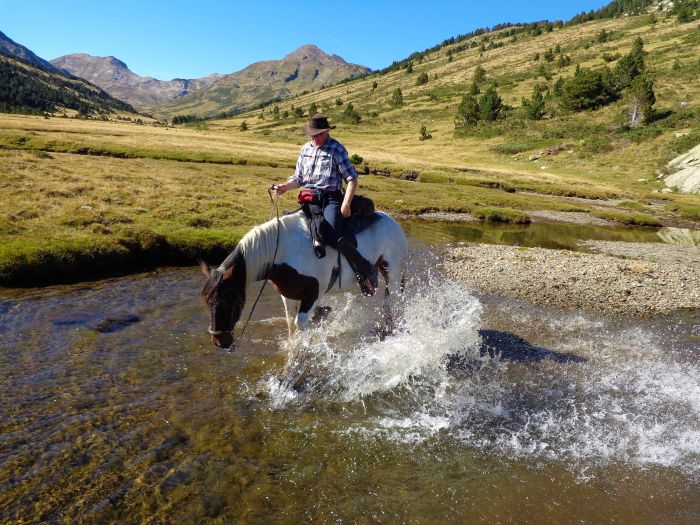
{"x":641,"y":279}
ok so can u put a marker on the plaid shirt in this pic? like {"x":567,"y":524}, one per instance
{"x":324,"y":168}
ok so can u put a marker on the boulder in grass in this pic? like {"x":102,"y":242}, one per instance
{"x":686,"y":178}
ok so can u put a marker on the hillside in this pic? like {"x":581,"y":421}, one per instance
{"x":308,"y":68}
{"x":128,"y":195}
{"x":28,"y":88}
{"x":590,"y":148}
{"x":11,"y":48}
{"x":113,"y":75}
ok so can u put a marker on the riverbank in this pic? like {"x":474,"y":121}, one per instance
{"x":640,"y":279}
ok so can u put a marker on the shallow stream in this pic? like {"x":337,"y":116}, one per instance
{"x":114,"y":407}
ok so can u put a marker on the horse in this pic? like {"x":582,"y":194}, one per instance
{"x":281,"y":251}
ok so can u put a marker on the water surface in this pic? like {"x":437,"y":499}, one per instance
{"x":114,"y":407}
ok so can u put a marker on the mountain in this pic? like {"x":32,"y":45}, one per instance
{"x":306,"y":69}
{"x":11,"y":48}
{"x":113,"y":75}
{"x":26,"y":87}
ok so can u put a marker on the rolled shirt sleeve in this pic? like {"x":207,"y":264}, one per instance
{"x":345,"y":167}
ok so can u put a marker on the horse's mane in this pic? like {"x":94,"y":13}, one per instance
{"x":258,"y":246}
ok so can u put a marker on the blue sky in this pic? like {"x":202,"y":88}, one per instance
{"x":190,"y":39}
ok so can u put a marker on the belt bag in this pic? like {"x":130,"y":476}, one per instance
{"x":308,"y":196}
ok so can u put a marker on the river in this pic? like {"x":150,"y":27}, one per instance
{"x":114,"y":407}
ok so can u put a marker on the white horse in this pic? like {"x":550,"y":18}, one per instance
{"x":281,"y":250}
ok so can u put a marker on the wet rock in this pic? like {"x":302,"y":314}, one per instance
{"x":114,"y":324}
{"x":410,"y":175}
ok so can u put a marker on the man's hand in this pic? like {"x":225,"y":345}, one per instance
{"x":345,"y":210}
{"x":280,"y":189}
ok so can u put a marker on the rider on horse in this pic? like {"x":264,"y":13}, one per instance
{"x":322,"y":166}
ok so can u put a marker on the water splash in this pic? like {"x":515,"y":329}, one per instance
{"x":581,"y":391}
{"x":344,"y":360}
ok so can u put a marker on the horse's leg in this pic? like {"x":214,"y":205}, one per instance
{"x":306,"y":306}
{"x":387,"y":310}
{"x":290,"y":309}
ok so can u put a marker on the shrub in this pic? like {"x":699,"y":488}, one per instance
{"x":243,"y":126}
{"x":424,"y":135}
{"x":356,"y":159}
{"x":422,"y":79}
{"x":350,"y":114}
{"x":490,"y":105}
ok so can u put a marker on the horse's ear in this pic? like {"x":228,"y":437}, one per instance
{"x":205,"y":268}
{"x":228,"y":272}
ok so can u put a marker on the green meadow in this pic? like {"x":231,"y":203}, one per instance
{"x":87,"y":198}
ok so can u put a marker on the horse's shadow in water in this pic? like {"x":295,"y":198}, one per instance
{"x":512,"y":348}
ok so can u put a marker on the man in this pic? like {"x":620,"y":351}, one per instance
{"x":322,"y":166}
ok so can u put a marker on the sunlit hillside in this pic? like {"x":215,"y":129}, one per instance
{"x":594,"y":146}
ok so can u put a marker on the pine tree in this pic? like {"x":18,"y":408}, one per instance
{"x":243,"y":126}
{"x":490,"y":105}
{"x":534,"y":108}
{"x":422,"y":79}
{"x":467,"y":112}
{"x":313,"y":109}
{"x":479,"y":75}
{"x":642,"y":99}
{"x":559,"y":87}
{"x":631,"y":65}
{"x":397,"y":98}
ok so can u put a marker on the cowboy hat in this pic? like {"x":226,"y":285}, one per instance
{"x":317,"y":124}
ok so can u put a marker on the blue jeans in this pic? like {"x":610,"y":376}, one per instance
{"x":332,"y":227}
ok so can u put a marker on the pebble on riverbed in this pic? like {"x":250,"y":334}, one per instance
{"x":629,"y":278}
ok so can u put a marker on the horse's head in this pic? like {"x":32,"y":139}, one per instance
{"x":224,"y":294}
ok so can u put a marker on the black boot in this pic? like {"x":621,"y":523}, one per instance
{"x":365,"y":272}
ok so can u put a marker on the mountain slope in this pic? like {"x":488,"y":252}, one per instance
{"x":308,"y":68}
{"x":589,"y":153}
{"x":28,"y":88}
{"x":113,"y":75}
{"x":11,"y":48}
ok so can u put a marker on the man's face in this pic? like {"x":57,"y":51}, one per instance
{"x":320,"y":138}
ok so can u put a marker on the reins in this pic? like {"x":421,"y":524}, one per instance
{"x":275,"y":208}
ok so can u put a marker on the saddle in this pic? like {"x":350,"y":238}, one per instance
{"x":362,"y":215}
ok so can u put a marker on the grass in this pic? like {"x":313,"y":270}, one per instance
{"x":628,"y":219}
{"x":86,"y":196}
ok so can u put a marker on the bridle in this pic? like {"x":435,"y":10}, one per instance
{"x":231,"y":323}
